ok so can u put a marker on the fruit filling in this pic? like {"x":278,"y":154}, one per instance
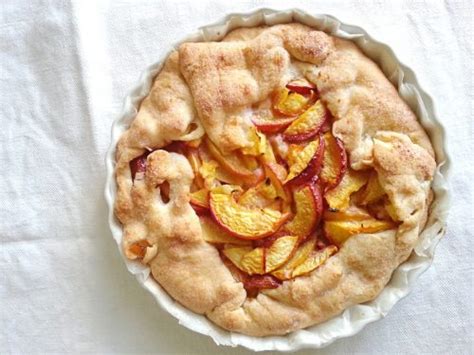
{"x":280,"y":208}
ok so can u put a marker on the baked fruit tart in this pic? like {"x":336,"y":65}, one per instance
{"x":272,"y":179}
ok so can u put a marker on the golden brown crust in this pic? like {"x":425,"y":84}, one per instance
{"x":219,"y":82}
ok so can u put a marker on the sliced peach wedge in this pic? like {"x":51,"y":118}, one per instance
{"x":254,"y":198}
{"x":276,"y":173}
{"x":192,"y":155}
{"x":138,"y":166}
{"x":213,"y":233}
{"x":247,"y":259}
{"x":307,"y":164}
{"x":288,"y":103}
{"x":302,"y":87}
{"x":316,"y":259}
{"x":258,"y":143}
{"x":232,"y":163}
{"x":309,"y":207}
{"x":339,"y":231}
{"x":240,"y":221}
{"x":200,"y":198}
{"x":334,"y":162}
{"x":261,"y":259}
{"x":372,"y":192}
{"x":280,"y":251}
{"x":338,"y":198}
{"x":254,"y":283}
{"x":351,"y":213}
{"x":307,"y":125}
{"x":272,"y":125}
{"x":302,"y":253}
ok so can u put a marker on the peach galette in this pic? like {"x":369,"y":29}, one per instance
{"x":272,"y":179}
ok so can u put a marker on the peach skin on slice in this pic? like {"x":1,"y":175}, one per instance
{"x":307,"y":164}
{"x":309,"y":207}
{"x":338,"y":198}
{"x":280,"y":251}
{"x":254,"y":283}
{"x":240,"y":221}
{"x":138,"y":166}
{"x":301,"y":254}
{"x":289,"y":103}
{"x":316,"y":259}
{"x":307,"y":125}
{"x":272,"y":125}
{"x":213,"y":233}
{"x":339,"y":231}
{"x":334,"y":163}
{"x":301,"y":86}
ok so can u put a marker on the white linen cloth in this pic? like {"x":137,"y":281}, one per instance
{"x":66,"y":67}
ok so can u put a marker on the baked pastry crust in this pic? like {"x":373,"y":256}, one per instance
{"x":213,"y":85}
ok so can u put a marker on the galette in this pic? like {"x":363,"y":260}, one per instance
{"x":272,"y":179}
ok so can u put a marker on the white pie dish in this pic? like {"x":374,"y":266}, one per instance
{"x":354,"y":318}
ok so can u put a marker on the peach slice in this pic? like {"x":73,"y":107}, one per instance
{"x":301,"y":86}
{"x":253,"y":198}
{"x":208,"y":172}
{"x":213,"y":233}
{"x":200,"y":198}
{"x":268,"y":156}
{"x":279,"y":146}
{"x":236,"y":254}
{"x":391,"y":211}
{"x":307,"y":125}
{"x":373,"y":191}
{"x":339,"y":231}
{"x":195,"y":143}
{"x":250,"y":162}
{"x":302,"y":253}
{"x":138,"y":249}
{"x":195,"y":162}
{"x":243,"y":222}
{"x":272,"y":125}
{"x":223,"y":176}
{"x":280,"y":251}
{"x":289,"y":103}
{"x":307,"y":164}
{"x":258,"y":140}
{"x":292,"y":153}
{"x":254,"y":283}
{"x":351,"y":213}
{"x":338,"y":198}
{"x":254,"y":262}
{"x":309,"y":207}
{"x":231,"y":162}
{"x":334,"y":162}
{"x":277,"y":174}
{"x":315,"y":260}
{"x":138,"y":166}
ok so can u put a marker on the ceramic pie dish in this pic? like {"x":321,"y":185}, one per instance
{"x":273,"y":181}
